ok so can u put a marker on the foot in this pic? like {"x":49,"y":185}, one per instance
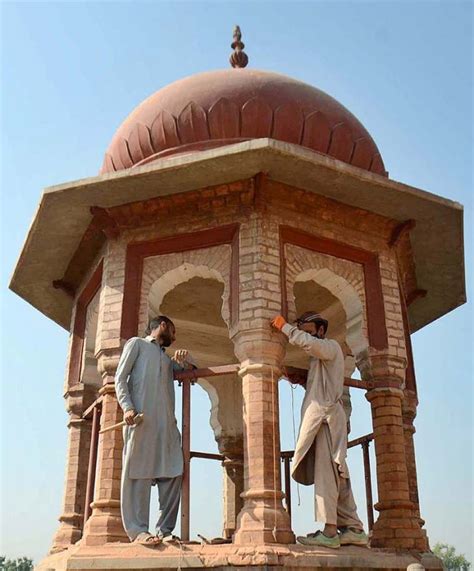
{"x":170,"y":538}
{"x":146,"y":538}
{"x":319,"y":539}
{"x":353,"y":537}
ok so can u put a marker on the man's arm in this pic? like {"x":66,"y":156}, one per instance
{"x":321,"y":348}
{"x":127,"y":360}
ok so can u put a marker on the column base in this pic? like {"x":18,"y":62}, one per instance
{"x":260,"y":523}
{"x":68,"y":533}
{"x":105,"y":524}
{"x":399,"y":528}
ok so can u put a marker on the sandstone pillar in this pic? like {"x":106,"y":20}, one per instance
{"x":260,"y":352}
{"x":409,"y":406}
{"x":105,"y":522}
{"x":78,"y":398}
{"x":398,"y":525}
{"x":263,"y":518}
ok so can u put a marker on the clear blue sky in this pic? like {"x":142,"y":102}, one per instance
{"x":72,"y":71}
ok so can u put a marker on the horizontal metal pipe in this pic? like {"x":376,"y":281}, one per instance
{"x":361,"y":440}
{"x":192,"y":374}
{"x":298,"y":376}
{"x":207,"y":456}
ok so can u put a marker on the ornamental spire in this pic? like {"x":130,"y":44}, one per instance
{"x":238,"y":58}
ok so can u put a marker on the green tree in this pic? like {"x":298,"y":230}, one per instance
{"x":451,"y":560}
{"x":21,"y":564}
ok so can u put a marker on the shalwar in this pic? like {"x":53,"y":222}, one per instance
{"x":334,"y":502}
{"x":152,"y":450}
{"x":135,"y":505}
{"x":321,"y":449}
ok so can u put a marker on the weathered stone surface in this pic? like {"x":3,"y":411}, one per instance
{"x":223,"y":557}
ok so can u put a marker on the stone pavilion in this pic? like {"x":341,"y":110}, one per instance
{"x":224,"y":199}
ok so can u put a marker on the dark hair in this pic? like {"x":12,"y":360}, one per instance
{"x":322,"y":322}
{"x":156,"y":322}
{"x":313,"y":317}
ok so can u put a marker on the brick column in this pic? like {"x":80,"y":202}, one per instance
{"x":398,"y":525}
{"x":409,"y":406}
{"x":260,"y":352}
{"x":263,"y":518}
{"x":105,"y":522}
{"x":78,"y":398}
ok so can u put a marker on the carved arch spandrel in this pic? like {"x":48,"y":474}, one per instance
{"x":369,"y":261}
{"x":138,"y":252}
{"x":342,"y":278}
{"x":163,"y":273}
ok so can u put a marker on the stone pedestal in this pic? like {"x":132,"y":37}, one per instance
{"x":78,"y":398}
{"x":398,"y":525}
{"x":105,"y":522}
{"x":263,"y":518}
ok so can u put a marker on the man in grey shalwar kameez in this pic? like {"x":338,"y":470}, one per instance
{"x":320,"y":454}
{"x":152,"y":449}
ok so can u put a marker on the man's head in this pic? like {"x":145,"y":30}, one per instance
{"x":162,"y":329}
{"x":312,"y":323}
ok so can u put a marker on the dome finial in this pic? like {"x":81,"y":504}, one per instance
{"x":238,"y":58}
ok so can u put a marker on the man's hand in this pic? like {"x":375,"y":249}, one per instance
{"x":279,"y":322}
{"x":129,"y":417}
{"x":180,"y":356}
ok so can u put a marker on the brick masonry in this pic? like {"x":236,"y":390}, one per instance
{"x":261,"y":206}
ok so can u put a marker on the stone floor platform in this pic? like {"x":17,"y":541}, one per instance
{"x":127,"y":557}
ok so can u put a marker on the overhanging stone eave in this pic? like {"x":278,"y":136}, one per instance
{"x":64,"y":213}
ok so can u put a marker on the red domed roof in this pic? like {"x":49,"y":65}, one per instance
{"x":221,"y":107}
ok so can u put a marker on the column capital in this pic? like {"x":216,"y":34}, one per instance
{"x":78,"y":398}
{"x":107,"y":362}
{"x":259,"y":368}
{"x":259,"y":345}
{"x":384,"y":391}
{"x":384,"y":368}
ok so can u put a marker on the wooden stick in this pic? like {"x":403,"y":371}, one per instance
{"x":138,"y":418}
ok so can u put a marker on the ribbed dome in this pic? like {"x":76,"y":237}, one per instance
{"x":218,"y":108}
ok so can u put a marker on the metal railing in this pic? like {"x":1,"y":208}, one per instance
{"x":292,"y":374}
{"x":185,"y":380}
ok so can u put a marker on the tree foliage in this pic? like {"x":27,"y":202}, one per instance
{"x":21,"y":564}
{"x":451,"y":560}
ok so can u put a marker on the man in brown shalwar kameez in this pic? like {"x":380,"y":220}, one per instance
{"x":320,"y":454}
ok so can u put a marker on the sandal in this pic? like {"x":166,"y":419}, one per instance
{"x":170,"y":538}
{"x":146,"y":538}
